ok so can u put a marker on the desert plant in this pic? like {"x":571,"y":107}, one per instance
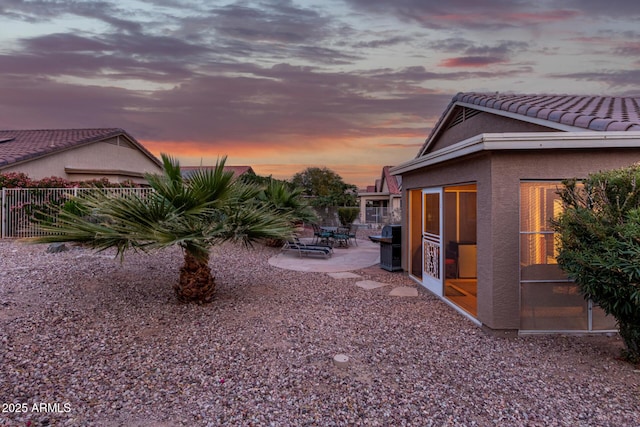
{"x":599,"y":246}
{"x":284,"y":197}
{"x":347,"y":215}
{"x":196,"y":214}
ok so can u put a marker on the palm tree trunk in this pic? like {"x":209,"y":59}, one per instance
{"x":196,"y":284}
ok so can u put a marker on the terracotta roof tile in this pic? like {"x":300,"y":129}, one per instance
{"x":599,"y":112}
{"x":594,"y":113}
{"x":392,"y":181}
{"x":20,"y":145}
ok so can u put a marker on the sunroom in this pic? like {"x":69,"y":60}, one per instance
{"x":480,"y":197}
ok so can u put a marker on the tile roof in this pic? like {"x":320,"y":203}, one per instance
{"x":597,"y":113}
{"x":187,"y":171}
{"x":393,"y":181}
{"x":588,"y":113}
{"x":21,"y":145}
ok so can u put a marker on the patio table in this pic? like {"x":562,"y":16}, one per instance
{"x":341,"y":239}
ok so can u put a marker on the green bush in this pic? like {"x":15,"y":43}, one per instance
{"x":599,"y":246}
{"x":347,"y":215}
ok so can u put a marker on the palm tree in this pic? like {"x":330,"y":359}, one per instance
{"x":196,"y":214}
{"x":284,"y":197}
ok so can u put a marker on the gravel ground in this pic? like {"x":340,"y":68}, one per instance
{"x":87,"y":340}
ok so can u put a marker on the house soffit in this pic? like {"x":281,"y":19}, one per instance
{"x":523,"y":141}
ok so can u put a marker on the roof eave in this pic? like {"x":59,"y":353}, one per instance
{"x":522,"y":141}
{"x":118,"y":172}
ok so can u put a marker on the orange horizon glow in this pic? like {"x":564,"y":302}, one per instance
{"x":362,"y":171}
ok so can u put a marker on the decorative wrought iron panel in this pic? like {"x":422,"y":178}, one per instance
{"x":431,"y":258}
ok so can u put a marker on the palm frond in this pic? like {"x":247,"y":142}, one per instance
{"x":211,"y":187}
{"x":171,"y":168}
{"x":209,"y":208}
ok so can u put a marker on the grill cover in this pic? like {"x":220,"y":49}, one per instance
{"x":392,"y":231}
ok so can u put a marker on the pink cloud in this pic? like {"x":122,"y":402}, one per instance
{"x":471,"y":61}
{"x":540,"y":17}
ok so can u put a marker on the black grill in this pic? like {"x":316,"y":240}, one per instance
{"x":390,"y":248}
{"x":394,"y":232}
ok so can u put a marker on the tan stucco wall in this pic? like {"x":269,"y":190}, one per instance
{"x":396,"y":203}
{"x":484,"y":123}
{"x":99,"y":156}
{"x":476,"y":169}
{"x":498,"y":175}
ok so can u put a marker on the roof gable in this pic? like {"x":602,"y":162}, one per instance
{"x":391,"y":182}
{"x":21,"y":145}
{"x":559,"y":112}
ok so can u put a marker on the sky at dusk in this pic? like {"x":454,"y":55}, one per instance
{"x":281,"y":85}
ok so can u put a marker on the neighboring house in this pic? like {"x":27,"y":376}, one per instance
{"x":478,"y":199}
{"x":381,"y":203}
{"x":187,"y":171}
{"x":76,"y":154}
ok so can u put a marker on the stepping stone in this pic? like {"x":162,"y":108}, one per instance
{"x":370,"y":284}
{"x":344,"y":275}
{"x":404,"y":291}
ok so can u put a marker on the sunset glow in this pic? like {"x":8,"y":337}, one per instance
{"x":281,"y":85}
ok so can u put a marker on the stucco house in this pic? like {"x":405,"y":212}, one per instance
{"x":478,"y":197}
{"x":381,"y":203}
{"x":76,"y":154}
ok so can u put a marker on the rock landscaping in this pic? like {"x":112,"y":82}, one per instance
{"x":89,"y":340}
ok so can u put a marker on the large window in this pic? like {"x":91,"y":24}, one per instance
{"x":548,"y":299}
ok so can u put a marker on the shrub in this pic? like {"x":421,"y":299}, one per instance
{"x":347,"y":215}
{"x":54,"y":182}
{"x":599,"y":246}
{"x":15,"y":180}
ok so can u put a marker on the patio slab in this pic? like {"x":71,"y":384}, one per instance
{"x":352,"y":258}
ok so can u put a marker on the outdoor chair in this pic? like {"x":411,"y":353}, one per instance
{"x":352,"y":233}
{"x":341,"y":236}
{"x":295,"y":245}
{"x":321,"y":236}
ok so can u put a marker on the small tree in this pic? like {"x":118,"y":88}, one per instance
{"x":599,"y":246}
{"x":326,"y":187}
{"x":196,"y":214}
{"x":347,"y":215}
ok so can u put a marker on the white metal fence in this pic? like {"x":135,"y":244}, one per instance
{"x":377,"y":216}
{"x":23,"y":207}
